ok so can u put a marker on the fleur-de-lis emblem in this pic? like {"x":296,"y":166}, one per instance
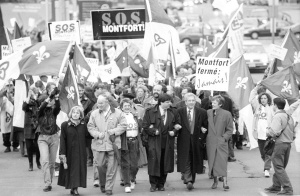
{"x":286,"y":87}
{"x":3,"y":67}
{"x":138,"y":62}
{"x":41,"y":54}
{"x":158,"y":40}
{"x":71,"y":92}
{"x":108,"y":70}
{"x":297,"y":57}
{"x":241,"y":82}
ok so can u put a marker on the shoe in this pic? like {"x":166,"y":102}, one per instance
{"x":221,"y":179}
{"x":152,"y":189}
{"x":273,"y":189}
{"x":127,"y":190}
{"x":39,"y":166}
{"x":215,"y":184}
{"x":16,"y":150}
{"x":267,"y":173}
{"x":7,"y":150}
{"x":96,"y":183}
{"x":231,"y":159}
{"x":248,"y":145}
{"x":189,"y":186}
{"x":244,"y":143}
{"x":285,"y":192}
{"x":108,"y":192}
{"x":47,"y":188}
{"x":102,"y":188}
{"x":122,"y":183}
{"x":30,"y":167}
{"x":225,"y":186}
{"x":132,"y":185}
{"x":161,"y":189}
{"x":239,"y":147}
{"x":56,"y":173}
{"x":75,"y":191}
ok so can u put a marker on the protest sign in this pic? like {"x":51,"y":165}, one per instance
{"x":94,"y":64}
{"x":118,"y":24}
{"x":5,"y":51}
{"x":278,"y":52}
{"x":86,"y":6}
{"x":212,"y":74}
{"x":21,"y":43}
{"x":65,"y":31}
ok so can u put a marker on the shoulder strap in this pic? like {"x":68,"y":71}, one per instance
{"x":287,"y":123}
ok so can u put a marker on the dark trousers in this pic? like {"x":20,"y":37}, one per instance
{"x":159,"y":181}
{"x":188,"y":175}
{"x":237,"y":140}
{"x":265,"y":158}
{"x":280,"y":159}
{"x":7,"y":142}
{"x":32,"y":146}
{"x":230,"y":148}
{"x":129,"y":162}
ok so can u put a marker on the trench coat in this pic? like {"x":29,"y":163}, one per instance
{"x":217,"y":141}
{"x":195,"y":142}
{"x":73,"y":145}
{"x":152,"y":121}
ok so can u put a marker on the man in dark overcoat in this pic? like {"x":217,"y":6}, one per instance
{"x":160,"y":124}
{"x":191,"y":140}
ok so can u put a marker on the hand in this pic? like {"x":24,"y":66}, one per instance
{"x":203,"y":130}
{"x":110,"y":132}
{"x":62,"y":157}
{"x":101,"y":136}
{"x":156,"y":132}
{"x":171,"y":133}
{"x":177,"y":127}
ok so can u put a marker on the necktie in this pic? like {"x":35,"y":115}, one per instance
{"x":190,"y":118}
{"x":214,"y":115}
{"x":163,"y":116}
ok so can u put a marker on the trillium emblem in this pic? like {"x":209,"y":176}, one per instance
{"x":71,"y":92}
{"x":158,"y":40}
{"x":41,"y":54}
{"x":3,"y":67}
{"x":286,"y":88}
{"x":241,"y":82}
{"x":297,"y":57}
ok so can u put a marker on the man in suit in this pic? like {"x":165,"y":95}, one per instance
{"x":184,"y":91}
{"x":160,"y":124}
{"x":191,"y":140}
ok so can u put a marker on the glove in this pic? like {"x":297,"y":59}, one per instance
{"x":54,"y":92}
{"x":62,"y":157}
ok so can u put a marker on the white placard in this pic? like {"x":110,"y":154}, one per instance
{"x":5,"y":51}
{"x":278,"y":52}
{"x":21,"y":43}
{"x":65,"y":31}
{"x":94,"y":64}
{"x":212,"y":74}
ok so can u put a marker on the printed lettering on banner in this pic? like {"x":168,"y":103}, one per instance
{"x":278,"y":52}
{"x":65,"y":31}
{"x":21,"y":43}
{"x":94,"y":64}
{"x":5,"y":51}
{"x":212,"y":74}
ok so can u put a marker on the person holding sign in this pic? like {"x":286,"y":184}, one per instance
{"x":220,"y":129}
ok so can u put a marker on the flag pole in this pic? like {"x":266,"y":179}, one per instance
{"x":65,"y":59}
{"x":102,"y":52}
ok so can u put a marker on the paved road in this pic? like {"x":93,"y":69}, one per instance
{"x":245,"y":178}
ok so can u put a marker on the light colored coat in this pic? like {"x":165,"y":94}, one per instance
{"x":217,"y":141}
{"x":113,"y":124}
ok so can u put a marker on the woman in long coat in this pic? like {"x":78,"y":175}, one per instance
{"x":73,"y":151}
{"x":220,"y":128}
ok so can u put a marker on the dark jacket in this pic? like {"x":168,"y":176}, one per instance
{"x":191,"y":143}
{"x":47,"y":118}
{"x":31,"y":118}
{"x":152,"y":122}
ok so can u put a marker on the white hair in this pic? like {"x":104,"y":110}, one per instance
{"x":189,"y":95}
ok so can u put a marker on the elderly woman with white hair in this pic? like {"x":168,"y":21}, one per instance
{"x":73,"y":170}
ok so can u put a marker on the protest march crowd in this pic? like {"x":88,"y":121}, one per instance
{"x":72,"y":115}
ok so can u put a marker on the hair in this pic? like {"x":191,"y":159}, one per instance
{"x":125,"y":100}
{"x":268,"y":97}
{"x":189,"y":89}
{"x":279,"y":102}
{"x":80,"y":111}
{"x":49,"y":84}
{"x":143,"y":87}
{"x":163,"y":98}
{"x":80,"y":85}
{"x":219,"y":99}
{"x":98,"y":85}
{"x":39,"y":84}
{"x":261,"y":89}
{"x":189,"y":95}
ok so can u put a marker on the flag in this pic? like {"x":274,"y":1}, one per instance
{"x":240,"y":82}
{"x":226,"y":6}
{"x":236,"y":34}
{"x":159,"y":29}
{"x":208,"y":48}
{"x":80,"y":64}
{"x":69,"y":96}
{"x":9,"y":67}
{"x":45,"y":58}
{"x":3,"y":40}
{"x":122,"y":60}
{"x":17,"y":31}
{"x":10,"y":35}
{"x":109,"y":72}
{"x":221,"y":51}
{"x":171,"y":64}
{"x":139,"y":65}
{"x":283,"y":84}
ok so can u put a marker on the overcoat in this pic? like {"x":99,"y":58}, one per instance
{"x":73,"y":145}
{"x":219,"y":133}
{"x":194,"y":143}
{"x":152,"y":121}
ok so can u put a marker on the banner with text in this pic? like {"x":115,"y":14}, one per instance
{"x":65,"y":31}
{"x":21,"y":43}
{"x":212,"y":74}
{"x":94,"y":64}
{"x":118,"y":24}
{"x":5,"y":51}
